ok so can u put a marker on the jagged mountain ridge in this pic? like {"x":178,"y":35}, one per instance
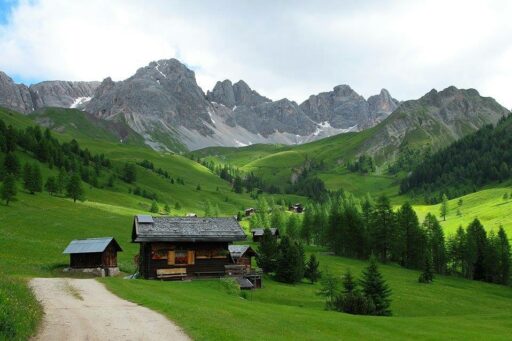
{"x":164,"y":104}
{"x":63,"y":94}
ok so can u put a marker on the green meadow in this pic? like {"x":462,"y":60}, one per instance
{"x":35,"y":229}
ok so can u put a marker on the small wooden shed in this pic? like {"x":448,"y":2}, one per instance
{"x":257,"y":234}
{"x":93,"y":253}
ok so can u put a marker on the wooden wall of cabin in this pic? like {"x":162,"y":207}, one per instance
{"x":85,"y":260}
{"x":109,"y":257}
{"x":150,"y":260}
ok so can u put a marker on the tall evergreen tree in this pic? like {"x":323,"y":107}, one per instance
{"x":292,"y":227}
{"x":376,"y":289}
{"x":354,"y":239}
{"x":11,"y":164}
{"x":277,"y":219}
{"x":457,"y":252}
{"x":476,"y":245}
{"x":444,"y":206}
{"x":8,"y":189}
{"x":427,"y":276}
{"x":435,"y":243}
{"x":51,"y":185}
{"x":154,"y":207}
{"x":312,"y":271}
{"x":410,"y":243}
{"x":503,"y":257}
{"x":306,"y":231}
{"x":74,"y":188}
{"x":329,"y":288}
{"x":290,"y":261}
{"x":32,"y":179}
{"x":382,"y":229}
{"x":267,"y":252}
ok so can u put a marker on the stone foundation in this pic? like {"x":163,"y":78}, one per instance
{"x":100,"y":272}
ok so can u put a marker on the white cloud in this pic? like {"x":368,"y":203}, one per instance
{"x":282,"y":49}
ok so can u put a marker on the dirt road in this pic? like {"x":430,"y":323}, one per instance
{"x":82,"y":309}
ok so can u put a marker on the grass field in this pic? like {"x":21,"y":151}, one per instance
{"x":35,"y":229}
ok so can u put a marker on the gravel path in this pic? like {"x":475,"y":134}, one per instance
{"x":83,"y":309}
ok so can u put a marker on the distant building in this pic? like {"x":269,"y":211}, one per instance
{"x":95,"y":255}
{"x":297,"y":208}
{"x":249,"y":211}
{"x":257,"y":234}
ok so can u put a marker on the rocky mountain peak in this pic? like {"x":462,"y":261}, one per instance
{"x":236,"y":94}
{"x":382,"y":103}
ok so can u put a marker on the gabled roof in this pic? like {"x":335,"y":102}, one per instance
{"x":237,"y":251}
{"x":91,"y":245}
{"x":183,"y":229}
{"x":259,"y":232}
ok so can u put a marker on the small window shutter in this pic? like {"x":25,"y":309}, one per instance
{"x":191,"y":257}
{"x":171,"y":257}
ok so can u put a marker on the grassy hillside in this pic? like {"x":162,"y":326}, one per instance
{"x":277,"y":164}
{"x":36,"y":228}
{"x":487,"y":205}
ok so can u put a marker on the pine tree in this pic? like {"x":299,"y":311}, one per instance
{"x":32,"y":179}
{"x":476,"y":245}
{"x":410,"y":243}
{"x":129,"y":173}
{"x":62,"y":180}
{"x":329,"y":288}
{"x":306,"y":231}
{"x":427,"y":276}
{"x":444,"y":207}
{"x":167,"y":209}
{"x":74,"y":188}
{"x":237,"y":184}
{"x":435,"y":243}
{"x":267,"y":252}
{"x":8,"y":190}
{"x":11,"y":164}
{"x":37,"y":178}
{"x":312,"y":271}
{"x":375,"y":289}
{"x":348,"y":282}
{"x":277,"y":219}
{"x":198,"y":188}
{"x":382,"y":229}
{"x":290,"y":262}
{"x":51,"y":185}
{"x":457,"y":251}
{"x":292,"y":227}
{"x":503,"y":257}
{"x":154,"y":207}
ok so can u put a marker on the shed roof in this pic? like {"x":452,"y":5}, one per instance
{"x":187,"y":229}
{"x":259,"y":232}
{"x":244,"y":283}
{"x":237,"y":251}
{"x":91,"y":245}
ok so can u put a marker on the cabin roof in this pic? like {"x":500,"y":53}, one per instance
{"x":186,"y":229}
{"x":259,"y":232}
{"x":237,"y":251}
{"x":90,"y":245}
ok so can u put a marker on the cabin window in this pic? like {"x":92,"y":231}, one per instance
{"x":219,"y":253}
{"x":181,"y":257}
{"x":159,"y":251}
{"x":203,"y":254}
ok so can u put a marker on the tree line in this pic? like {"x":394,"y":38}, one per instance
{"x":361,"y":228}
{"x":466,"y":165}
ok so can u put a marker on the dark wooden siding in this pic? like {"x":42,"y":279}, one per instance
{"x":148,"y":266}
{"x":85,"y":260}
{"x":105,"y":259}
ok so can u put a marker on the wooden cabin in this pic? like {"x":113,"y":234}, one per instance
{"x":183,"y":247}
{"x":94,"y":253}
{"x":249,"y":211}
{"x":241,"y":257}
{"x":297,"y":208}
{"x":241,"y":254}
{"x":257,"y":234}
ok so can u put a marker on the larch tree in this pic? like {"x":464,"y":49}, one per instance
{"x":376,"y":289}
{"x":8,"y":189}
{"x":444,"y":207}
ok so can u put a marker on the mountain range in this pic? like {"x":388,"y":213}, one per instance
{"x":163,"y":103}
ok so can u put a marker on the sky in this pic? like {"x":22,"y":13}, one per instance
{"x":280,"y":48}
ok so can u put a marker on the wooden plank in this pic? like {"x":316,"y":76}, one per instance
{"x":171,"y":257}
